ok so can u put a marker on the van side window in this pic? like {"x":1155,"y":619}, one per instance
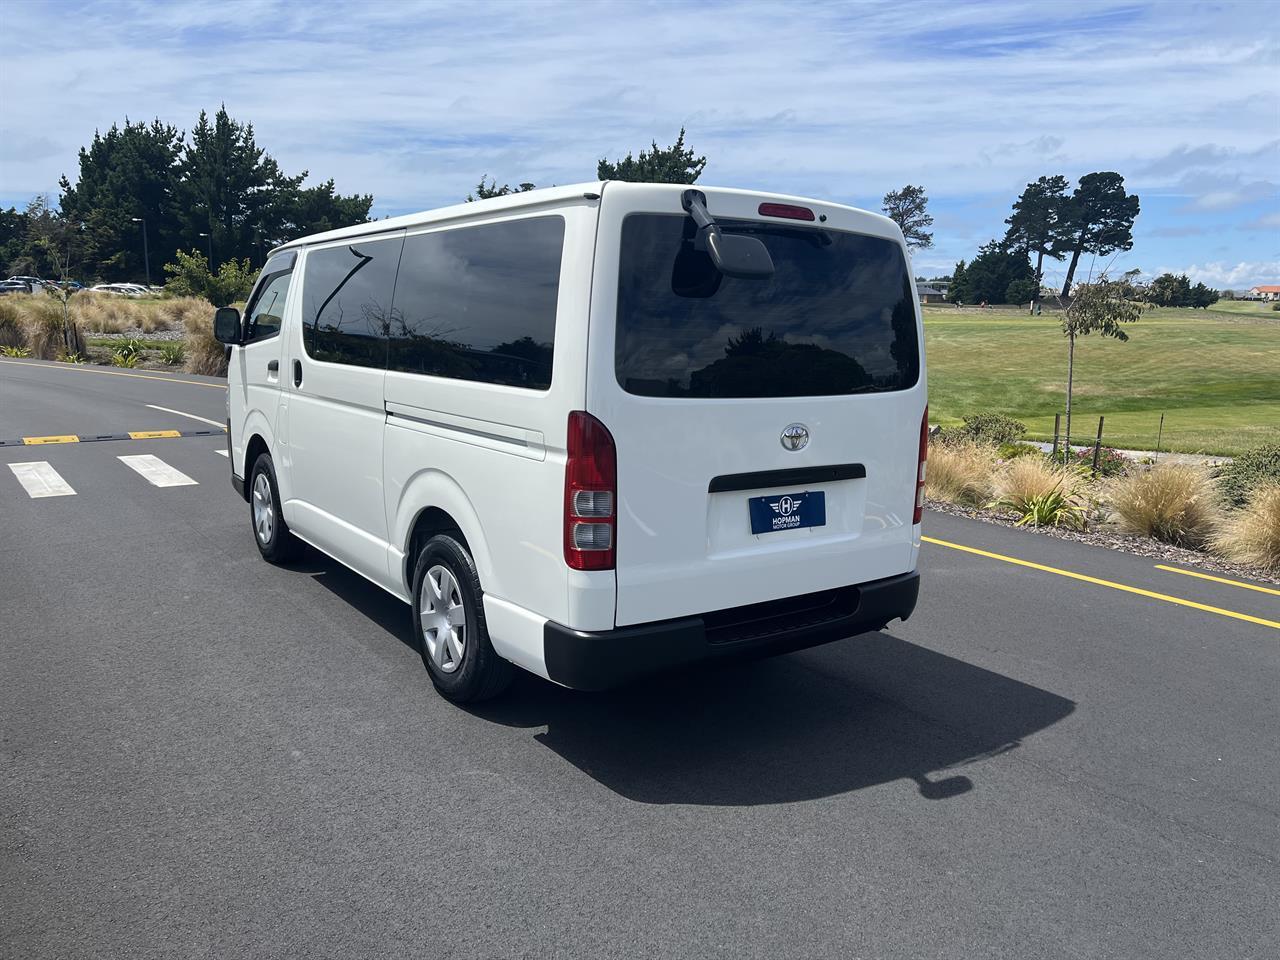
{"x":266,"y":304}
{"x":479,"y":303}
{"x":346,"y":303}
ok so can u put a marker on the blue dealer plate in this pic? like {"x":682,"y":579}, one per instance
{"x":788,"y":511}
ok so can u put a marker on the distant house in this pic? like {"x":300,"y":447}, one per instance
{"x":1271,"y":292}
{"x":930,"y":294}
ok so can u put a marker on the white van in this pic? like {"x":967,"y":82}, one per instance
{"x":593,"y":431}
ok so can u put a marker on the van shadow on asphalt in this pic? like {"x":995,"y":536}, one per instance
{"x":813,"y":724}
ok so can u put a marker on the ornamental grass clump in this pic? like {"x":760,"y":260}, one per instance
{"x":960,"y":472}
{"x":204,"y":354}
{"x":12,"y":332}
{"x":1251,"y":535}
{"x":1173,"y":502}
{"x":1042,"y":494}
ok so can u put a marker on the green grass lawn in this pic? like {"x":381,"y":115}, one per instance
{"x":1214,"y":374}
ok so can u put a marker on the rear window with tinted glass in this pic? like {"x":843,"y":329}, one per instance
{"x":479,"y":302}
{"x":836,"y":317}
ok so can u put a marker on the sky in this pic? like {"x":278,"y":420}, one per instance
{"x":413,"y":102}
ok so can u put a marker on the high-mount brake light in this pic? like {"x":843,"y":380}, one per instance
{"x":785,"y":210}
{"x":590,"y":495}
{"x":924,"y":455}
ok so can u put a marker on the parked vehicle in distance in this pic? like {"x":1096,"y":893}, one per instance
{"x":593,"y":431}
{"x":33,"y":284}
{"x":14,"y":286}
{"x":119,"y":289}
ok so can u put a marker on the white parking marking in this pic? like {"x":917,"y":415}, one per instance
{"x":157,"y":472}
{"x":222,"y":453}
{"x":41,"y":480}
{"x":189,"y":416}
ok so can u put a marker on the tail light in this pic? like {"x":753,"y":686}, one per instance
{"x":787,"y":210}
{"x":590,"y":495}
{"x":924,"y":455}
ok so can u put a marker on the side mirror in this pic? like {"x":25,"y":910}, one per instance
{"x":737,"y":256}
{"x":226,"y":326}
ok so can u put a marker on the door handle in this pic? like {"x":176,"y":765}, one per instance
{"x":297,"y":373}
{"x":273,"y":366}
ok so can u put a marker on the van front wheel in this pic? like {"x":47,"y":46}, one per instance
{"x":270,"y":532}
{"x":448,"y":615}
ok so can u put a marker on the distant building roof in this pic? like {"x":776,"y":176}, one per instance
{"x":1268,"y":289}
{"x":925,"y":290}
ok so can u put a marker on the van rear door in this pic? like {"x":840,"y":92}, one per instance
{"x":767,"y":428}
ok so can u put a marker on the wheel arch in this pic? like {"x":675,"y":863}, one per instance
{"x":432,"y":503}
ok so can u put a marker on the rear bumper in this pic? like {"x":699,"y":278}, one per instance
{"x":597,"y":661}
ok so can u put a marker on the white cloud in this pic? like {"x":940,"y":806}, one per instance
{"x":1226,"y":276}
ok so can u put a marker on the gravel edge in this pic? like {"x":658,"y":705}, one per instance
{"x":1115,"y":540}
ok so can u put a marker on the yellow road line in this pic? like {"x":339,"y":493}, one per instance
{"x":34,"y":441}
{"x":1205,"y":576}
{"x":84,"y":368}
{"x":1108,"y":583}
{"x":152,"y":434}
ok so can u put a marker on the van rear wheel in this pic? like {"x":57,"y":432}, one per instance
{"x":448,"y":616}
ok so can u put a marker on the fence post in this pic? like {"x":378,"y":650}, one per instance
{"x":1057,"y":425}
{"x":1159,"y":437}
{"x":1097,"y":447}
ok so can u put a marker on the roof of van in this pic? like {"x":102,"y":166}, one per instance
{"x":543,"y":196}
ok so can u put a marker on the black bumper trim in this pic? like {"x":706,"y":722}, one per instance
{"x":240,"y":487}
{"x":597,"y":661}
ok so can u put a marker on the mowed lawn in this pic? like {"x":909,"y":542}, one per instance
{"x":1214,"y":374}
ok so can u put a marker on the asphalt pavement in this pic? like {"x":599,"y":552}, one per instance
{"x":202,"y":755}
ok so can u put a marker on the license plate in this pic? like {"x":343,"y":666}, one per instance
{"x":788,"y":511}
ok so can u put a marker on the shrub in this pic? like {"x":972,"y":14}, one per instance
{"x":1021,"y":291}
{"x":191,"y":277}
{"x":1041,"y":494}
{"x":15,"y":352}
{"x":960,"y":472}
{"x":993,"y":428}
{"x":1251,"y":469}
{"x":1173,"y":502}
{"x":204,"y":354}
{"x":1252,"y":535}
{"x":72,"y":358}
{"x":129,"y":360}
{"x":173,"y":353}
{"x":1012,"y":451}
{"x":132,"y":348}
{"x":1111,"y":463}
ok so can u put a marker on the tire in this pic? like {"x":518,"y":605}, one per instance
{"x":457,"y":653}
{"x":266,"y":519}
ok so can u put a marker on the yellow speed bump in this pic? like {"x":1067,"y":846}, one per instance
{"x":152,"y":434}
{"x":35,"y":441}
{"x":1108,"y":583}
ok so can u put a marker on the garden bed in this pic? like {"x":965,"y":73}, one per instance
{"x":1114,"y":539}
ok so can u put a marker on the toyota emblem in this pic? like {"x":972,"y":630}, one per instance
{"x":795,"y":436}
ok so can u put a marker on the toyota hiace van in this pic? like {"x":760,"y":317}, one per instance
{"x":593,"y":431}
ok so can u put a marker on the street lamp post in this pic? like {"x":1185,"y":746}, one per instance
{"x":146,"y":251}
{"x":210,"y":236}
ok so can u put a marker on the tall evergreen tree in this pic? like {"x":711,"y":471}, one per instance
{"x":1099,"y":220}
{"x":1038,"y":224}
{"x":673,"y":164}
{"x":127,"y":172}
{"x":908,"y":208}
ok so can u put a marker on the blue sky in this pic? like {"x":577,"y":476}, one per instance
{"x":412,"y":102}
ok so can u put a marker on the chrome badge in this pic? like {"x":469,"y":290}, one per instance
{"x":795,"y":436}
